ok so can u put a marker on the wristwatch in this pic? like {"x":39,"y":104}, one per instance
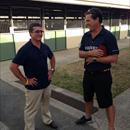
{"x":94,"y":59}
{"x":52,"y":69}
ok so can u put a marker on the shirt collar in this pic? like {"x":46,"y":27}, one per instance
{"x":100,"y":33}
{"x":31,"y":44}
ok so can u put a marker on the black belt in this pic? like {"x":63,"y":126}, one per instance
{"x":97,"y":72}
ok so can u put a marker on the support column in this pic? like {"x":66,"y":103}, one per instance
{"x":12,"y":29}
{"x":65,"y":24}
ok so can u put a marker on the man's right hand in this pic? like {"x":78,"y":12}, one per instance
{"x":96,"y":53}
{"x":31,"y":82}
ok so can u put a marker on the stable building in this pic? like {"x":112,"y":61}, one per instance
{"x":63,"y":20}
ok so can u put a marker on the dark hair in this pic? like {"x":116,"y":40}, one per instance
{"x":33,"y":25}
{"x":96,"y":13}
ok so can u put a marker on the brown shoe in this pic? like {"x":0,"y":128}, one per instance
{"x":53,"y":125}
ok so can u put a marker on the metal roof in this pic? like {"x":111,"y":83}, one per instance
{"x":124,"y":4}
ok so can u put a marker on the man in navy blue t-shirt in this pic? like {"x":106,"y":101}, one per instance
{"x":99,"y":49}
{"x":36,"y":78}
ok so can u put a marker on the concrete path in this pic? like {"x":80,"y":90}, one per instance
{"x":12,"y":101}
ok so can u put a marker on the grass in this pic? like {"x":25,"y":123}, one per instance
{"x":70,"y":76}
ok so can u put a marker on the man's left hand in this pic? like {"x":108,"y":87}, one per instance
{"x":89,"y":60}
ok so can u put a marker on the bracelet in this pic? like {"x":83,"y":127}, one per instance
{"x":26,"y":82}
{"x":94,"y":59}
{"x":52,"y":69}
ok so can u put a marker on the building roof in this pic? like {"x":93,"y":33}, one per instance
{"x":124,"y":4}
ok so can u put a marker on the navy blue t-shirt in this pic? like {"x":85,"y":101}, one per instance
{"x":34,"y":62}
{"x":105,"y":38}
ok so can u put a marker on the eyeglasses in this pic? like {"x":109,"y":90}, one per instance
{"x":38,"y":31}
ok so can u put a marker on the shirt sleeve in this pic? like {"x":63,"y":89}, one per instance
{"x":50,"y":53}
{"x":20,"y":57}
{"x":111,"y":44}
{"x":82,"y":44}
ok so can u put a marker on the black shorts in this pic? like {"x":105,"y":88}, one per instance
{"x":99,"y":83}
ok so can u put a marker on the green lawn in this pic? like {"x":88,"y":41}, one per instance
{"x":70,"y":76}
